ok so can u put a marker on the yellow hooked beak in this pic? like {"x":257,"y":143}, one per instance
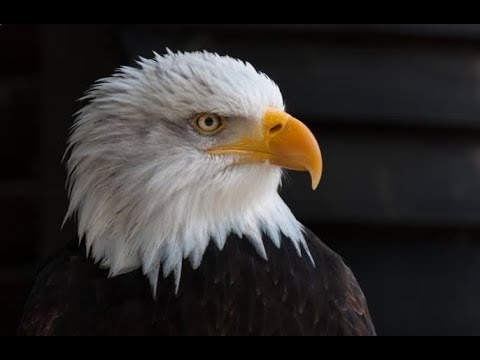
{"x":282,"y":140}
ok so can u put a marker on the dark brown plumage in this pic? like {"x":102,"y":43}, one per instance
{"x":234,"y":292}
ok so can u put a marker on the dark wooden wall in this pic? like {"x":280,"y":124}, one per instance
{"x":396,"y":109}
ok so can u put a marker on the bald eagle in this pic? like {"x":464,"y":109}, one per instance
{"x":174,"y":168}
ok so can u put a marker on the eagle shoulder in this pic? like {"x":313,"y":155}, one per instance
{"x":347,"y":308}
{"x":44,"y":308}
{"x":73,"y":296}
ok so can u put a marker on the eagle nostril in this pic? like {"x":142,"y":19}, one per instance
{"x":276,"y":129}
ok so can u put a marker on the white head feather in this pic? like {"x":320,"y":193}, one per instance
{"x":144,"y":192}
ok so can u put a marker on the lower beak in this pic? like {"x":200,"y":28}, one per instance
{"x":283,"y":141}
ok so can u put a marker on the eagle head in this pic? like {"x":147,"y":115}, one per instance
{"x":183,"y":150}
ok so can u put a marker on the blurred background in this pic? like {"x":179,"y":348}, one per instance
{"x":395,"y":107}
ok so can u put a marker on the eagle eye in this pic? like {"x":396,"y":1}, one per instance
{"x":208,"y":124}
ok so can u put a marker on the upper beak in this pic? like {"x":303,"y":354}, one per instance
{"x":283,"y":141}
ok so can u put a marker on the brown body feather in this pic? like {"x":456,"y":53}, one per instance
{"x":234,"y":292}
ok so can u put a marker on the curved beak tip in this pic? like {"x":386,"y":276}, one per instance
{"x":316,"y":175}
{"x":314,"y":164}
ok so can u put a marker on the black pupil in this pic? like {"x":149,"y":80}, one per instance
{"x":209,"y":121}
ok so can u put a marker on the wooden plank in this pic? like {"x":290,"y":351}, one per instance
{"x":412,"y":31}
{"x":345,"y":81}
{"x":383,"y":177}
{"x":458,"y":31}
{"x":418,"y":281}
